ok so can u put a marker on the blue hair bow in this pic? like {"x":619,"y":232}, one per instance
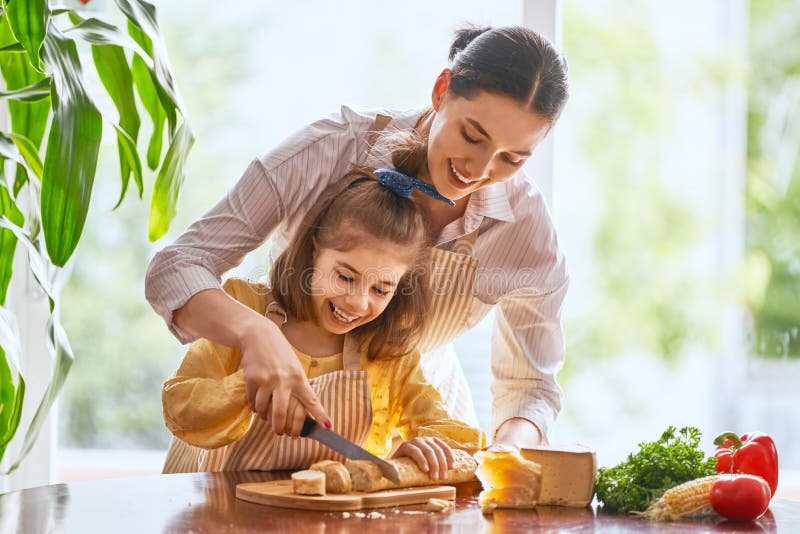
{"x":403,"y":185}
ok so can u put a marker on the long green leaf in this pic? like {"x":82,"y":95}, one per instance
{"x":128,"y":154}
{"x":32,"y":93}
{"x":152,"y":104}
{"x":29,"y":152}
{"x":98,"y":32}
{"x":42,"y":269}
{"x":9,"y":150}
{"x":112,"y":67}
{"x":8,"y":241}
{"x":168,"y":183}
{"x":72,"y":148}
{"x":29,"y":20}
{"x":142,"y":26}
{"x":143,"y":15}
{"x":155,"y":88}
{"x":20,"y":179}
{"x":27,"y":118}
{"x":59,"y":347}
{"x":13,"y":47}
{"x":11,"y":396}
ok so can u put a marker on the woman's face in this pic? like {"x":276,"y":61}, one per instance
{"x":478,"y":141}
{"x":351,"y":288}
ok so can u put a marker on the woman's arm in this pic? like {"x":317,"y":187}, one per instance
{"x":275,"y":379}
{"x":527,"y":351}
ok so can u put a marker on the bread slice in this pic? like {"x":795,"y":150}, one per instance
{"x":337,"y":477}
{"x":308,"y":482}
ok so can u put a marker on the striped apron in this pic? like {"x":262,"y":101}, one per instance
{"x":453,"y":311}
{"x":345,"y":396}
{"x":453,"y":281}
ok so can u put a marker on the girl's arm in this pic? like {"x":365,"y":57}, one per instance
{"x":204,"y":404}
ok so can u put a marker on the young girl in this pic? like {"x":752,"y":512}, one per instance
{"x":351,"y":294}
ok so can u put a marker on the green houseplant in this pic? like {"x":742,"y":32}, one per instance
{"x":44,"y":200}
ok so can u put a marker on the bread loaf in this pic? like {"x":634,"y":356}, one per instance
{"x":308,"y":482}
{"x":366,"y":475}
{"x":337,"y":477}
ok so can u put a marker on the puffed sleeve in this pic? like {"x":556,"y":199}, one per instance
{"x":421,"y":412}
{"x":205,"y":402}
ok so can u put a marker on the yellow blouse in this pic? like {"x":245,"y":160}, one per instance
{"x":205,"y":403}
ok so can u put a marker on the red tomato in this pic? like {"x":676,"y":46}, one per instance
{"x":740,"y":497}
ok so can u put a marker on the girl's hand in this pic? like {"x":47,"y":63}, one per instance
{"x":277,"y":387}
{"x":432,"y":455}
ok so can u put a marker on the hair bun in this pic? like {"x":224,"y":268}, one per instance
{"x":464,"y":36}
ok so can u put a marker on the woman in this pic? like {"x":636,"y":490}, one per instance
{"x":495,"y":248}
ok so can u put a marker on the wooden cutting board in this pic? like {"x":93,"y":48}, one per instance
{"x":279,"y":493}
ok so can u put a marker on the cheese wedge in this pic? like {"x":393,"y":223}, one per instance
{"x":568,"y":474}
{"x":509,"y":481}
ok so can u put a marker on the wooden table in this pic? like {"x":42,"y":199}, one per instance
{"x":206,"y":502}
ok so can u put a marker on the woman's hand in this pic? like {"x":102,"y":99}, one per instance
{"x":515,"y":433}
{"x":432,"y":455}
{"x":277,"y":387}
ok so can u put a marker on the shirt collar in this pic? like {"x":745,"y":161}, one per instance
{"x":491,"y":201}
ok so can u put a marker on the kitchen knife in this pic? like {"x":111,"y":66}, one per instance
{"x":347,"y":448}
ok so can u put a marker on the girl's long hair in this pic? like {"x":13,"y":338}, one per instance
{"x":357,"y":211}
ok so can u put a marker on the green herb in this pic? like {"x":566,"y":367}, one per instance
{"x":658,"y":466}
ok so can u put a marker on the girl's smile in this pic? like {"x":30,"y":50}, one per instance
{"x":351,"y":288}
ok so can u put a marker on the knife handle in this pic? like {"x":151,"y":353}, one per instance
{"x":308,"y":426}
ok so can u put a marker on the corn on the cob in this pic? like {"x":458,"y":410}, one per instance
{"x":690,"y":499}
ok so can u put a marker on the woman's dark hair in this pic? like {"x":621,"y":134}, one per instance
{"x":513,"y":61}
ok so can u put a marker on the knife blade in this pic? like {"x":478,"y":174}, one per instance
{"x":347,"y":448}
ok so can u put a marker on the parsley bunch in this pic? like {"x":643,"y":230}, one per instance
{"x":658,"y":466}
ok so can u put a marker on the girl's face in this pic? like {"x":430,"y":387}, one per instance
{"x":351,"y":288}
{"x":478,"y":141}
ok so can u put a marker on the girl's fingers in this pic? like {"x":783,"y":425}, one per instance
{"x":448,"y":452}
{"x":414,"y":452}
{"x":431,"y":457}
{"x":441,"y":458}
{"x":444,"y":463}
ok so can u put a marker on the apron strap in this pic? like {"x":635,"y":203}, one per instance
{"x":466,"y":243}
{"x":351,"y":354}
